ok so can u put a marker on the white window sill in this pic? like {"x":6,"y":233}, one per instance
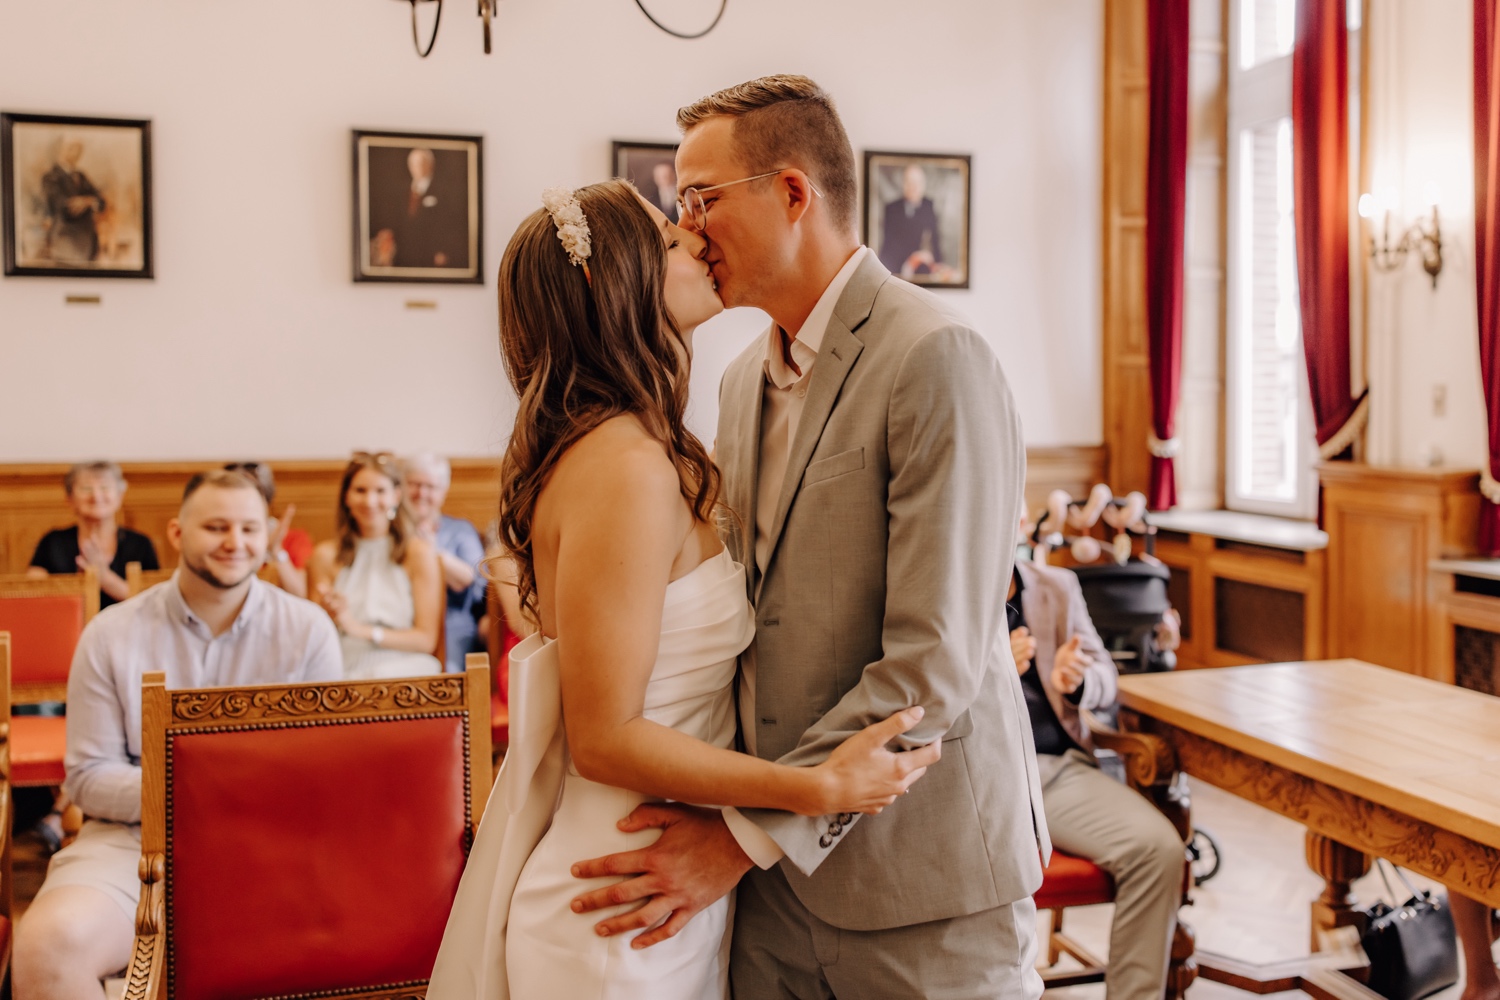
{"x":1254,"y":529}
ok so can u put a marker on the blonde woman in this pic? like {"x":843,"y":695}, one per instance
{"x":378,"y":580}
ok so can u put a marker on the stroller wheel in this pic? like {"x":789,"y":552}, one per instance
{"x":1203,"y":853}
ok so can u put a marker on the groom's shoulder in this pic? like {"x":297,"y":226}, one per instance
{"x":904,"y":315}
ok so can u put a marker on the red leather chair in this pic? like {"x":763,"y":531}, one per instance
{"x":308,"y":840}
{"x":1067,"y":881}
{"x":5,"y":809}
{"x":501,"y":640}
{"x":45,"y":618}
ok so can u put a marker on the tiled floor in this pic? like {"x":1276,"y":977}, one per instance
{"x":1255,"y":909}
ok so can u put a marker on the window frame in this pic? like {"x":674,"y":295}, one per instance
{"x":1257,"y":96}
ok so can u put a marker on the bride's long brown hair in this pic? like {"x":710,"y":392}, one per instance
{"x":579,"y":352}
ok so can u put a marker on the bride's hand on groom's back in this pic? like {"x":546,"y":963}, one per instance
{"x":863,"y":776}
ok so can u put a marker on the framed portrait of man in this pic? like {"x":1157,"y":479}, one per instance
{"x":916,"y":216}
{"x":77,"y":196}
{"x":418,"y":207}
{"x":652,"y":168}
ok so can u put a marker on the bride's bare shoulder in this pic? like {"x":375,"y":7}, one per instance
{"x":616,"y":459}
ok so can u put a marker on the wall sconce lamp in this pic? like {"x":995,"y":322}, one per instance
{"x":1424,"y":236}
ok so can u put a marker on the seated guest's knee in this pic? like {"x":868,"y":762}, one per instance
{"x":71,"y":931}
{"x":1163,"y":846}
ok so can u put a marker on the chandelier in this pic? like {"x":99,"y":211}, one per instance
{"x":487,"y":15}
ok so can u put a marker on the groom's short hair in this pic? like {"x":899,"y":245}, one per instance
{"x":787,"y":121}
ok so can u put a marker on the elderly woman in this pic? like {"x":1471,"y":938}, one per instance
{"x":459,"y":552}
{"x":95,"y":491}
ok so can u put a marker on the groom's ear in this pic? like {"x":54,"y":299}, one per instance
{"x":796,"y":192}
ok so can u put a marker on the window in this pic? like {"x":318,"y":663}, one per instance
{"x":1270,"y":446}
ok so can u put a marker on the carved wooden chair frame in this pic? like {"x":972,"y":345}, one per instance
{"x":1151,"y":769}
{"x":165,"y":712}
{"x":137,"y":579}
{"x":19,"y":585}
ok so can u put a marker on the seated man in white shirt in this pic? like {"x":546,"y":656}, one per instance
{"x":213,"y":624}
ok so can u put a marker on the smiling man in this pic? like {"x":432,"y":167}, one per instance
{"x":213,"y":624}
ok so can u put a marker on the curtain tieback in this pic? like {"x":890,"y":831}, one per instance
{"x":1347,"y":433}
{"x":1488,"y":486}
{"x":1163,"y":449}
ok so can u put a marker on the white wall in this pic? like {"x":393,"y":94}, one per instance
{"x":1425,"y":340}
{"x":253,"y":340}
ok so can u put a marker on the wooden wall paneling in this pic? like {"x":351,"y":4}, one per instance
{"x":1460,"y":600}
{"x":1126,"y":381}
{"x":1206,"y":560}
{"x":1385,"y":527}
{"x":1074,"y":468}
{"x":32,"y":500}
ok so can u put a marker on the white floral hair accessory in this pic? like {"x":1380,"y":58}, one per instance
{"x":572,"y":225}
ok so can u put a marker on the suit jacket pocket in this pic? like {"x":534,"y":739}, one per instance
{"x":962,"y":726}
{"x":840,"y":464}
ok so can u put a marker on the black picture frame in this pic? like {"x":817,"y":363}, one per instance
{"x":634,"y":161}
{"x":110,"y":164}
{"x":400,"y":224}
{"x":936,"y":226}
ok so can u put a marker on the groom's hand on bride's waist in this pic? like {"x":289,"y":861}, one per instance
{"x":694,"y":863}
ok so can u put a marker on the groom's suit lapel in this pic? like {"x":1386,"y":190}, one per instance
{"x":836,"y":357}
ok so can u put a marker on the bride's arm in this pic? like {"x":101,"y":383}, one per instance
{"x":615,"y":519}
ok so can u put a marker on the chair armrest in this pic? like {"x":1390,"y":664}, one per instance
{"x":1149,"y":759}
{"x":146,"y":977}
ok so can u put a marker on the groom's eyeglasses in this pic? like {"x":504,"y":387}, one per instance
{"x":695,"y":209}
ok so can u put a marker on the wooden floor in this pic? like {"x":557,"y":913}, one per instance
{"x":1255,"y":909}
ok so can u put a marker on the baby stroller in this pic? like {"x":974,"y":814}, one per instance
{"x":1127,"y":599}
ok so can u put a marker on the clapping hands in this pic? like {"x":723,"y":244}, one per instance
{"x":90,"y":554}
{"x":1068,"y":666}
{"x":1068,"y":663}
{"x":337,"y":606}
{"x":1023,"y":648}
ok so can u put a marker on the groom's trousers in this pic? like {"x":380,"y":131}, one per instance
{"x":781,"y":950}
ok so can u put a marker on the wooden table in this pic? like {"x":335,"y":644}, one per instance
{"x":1371,"y":761}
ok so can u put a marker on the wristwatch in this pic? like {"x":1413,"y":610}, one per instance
{"x":377,"y":635}
{"x":281,"y":555}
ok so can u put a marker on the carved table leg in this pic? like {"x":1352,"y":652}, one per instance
{"x":1338,"y":866}
{"x":1183,"y":968}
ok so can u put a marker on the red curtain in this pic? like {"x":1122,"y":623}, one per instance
{"x":1320,"y":186}
{"x":1486,"y":244}
{"x":1166,"y":190}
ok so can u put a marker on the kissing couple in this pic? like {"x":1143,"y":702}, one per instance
{"x":804,"y":638}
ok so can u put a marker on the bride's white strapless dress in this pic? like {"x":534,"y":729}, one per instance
{"x":511,"y":934}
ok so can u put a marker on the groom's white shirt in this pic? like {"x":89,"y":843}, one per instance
{"x":785,"y":393}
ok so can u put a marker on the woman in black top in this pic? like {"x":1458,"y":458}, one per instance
{"x":95,"y":491}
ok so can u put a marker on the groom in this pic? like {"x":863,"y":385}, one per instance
{"x":872,"y":458}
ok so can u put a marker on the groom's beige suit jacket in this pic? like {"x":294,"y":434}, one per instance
{"x":885,"y":587}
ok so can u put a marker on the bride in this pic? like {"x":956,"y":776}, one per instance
{"x":625,"y":694}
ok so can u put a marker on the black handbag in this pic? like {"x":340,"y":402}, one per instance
{"x":1412,"y":950}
